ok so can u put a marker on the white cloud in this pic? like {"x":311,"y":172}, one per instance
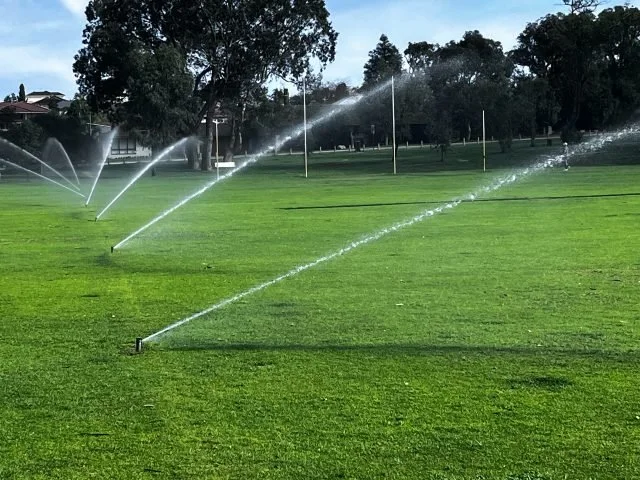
{"x":77,"y":7}
{"x":40,"y":51}
{"x":14,"y":30}
{"x":31,"y":62}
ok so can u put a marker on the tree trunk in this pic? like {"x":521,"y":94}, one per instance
{"x":192,"y":151}
{"x":533,"y":132}
{"x":205,"y":165}
{"x":239,"y":139}
{"x":228,"y":153}
{"x":239,"y":142}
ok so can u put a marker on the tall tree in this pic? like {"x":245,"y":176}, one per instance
{"x":473,"y":75}
{"x":529,"y":100}
{"x":619,"y":89}
{"x":231,"y":47}
{"x":22,"y":95}
{"x":564,"y":50}
{"x":420,"y":55}
{"x":384,"y":61}
{"x":581,"y":6}
{"x":160,"y":103}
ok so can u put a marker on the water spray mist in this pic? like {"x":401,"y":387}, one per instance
{"x":552,"y":161}
{"x":293,"y":134}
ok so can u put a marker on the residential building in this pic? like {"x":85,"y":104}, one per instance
{"x":124,"y":146}
{"x":18,"y":112}
{"x":38,"y":97}
{"x":52,"y":100}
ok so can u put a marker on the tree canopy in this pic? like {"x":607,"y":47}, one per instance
{"x":230,"y":47}
{"x":163,"y":66}
{"x":384,"y":61}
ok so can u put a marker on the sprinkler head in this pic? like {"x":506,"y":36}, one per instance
{"x":112,"y":248}
{"x":139,"y":345}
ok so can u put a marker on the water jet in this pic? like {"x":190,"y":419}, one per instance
{"x":294,"y":133}
{"x":500,"y":182}
{"x":55,"y":143}
{"x":29,"y":155}
{"x":105,"y":154}
{"x":151,"y":164}
{"x":19,"y":167}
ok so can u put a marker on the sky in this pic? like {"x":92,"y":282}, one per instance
{"x":39,"y":38}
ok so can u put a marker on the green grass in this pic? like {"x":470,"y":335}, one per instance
{"x":497,"y":340}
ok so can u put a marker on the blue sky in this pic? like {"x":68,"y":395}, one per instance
{"x":39,"y":38}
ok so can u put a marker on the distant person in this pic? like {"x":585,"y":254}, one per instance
{"x":565,"y":155}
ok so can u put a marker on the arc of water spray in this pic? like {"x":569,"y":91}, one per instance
{"x":15,"y":165}
{"x":56,"y":142}
{"x":33,"y":157}
{"x":497,"y":184}
{"x":46,"y":153}
{"x":105,"y":155}
{"x":163,"y":154}
{"x":295,"y":133}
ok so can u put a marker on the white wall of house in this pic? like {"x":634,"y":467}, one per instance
{"x":36,"y":98}
{"x":124,"y":146}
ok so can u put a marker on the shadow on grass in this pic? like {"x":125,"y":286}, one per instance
{"x":105,"y":260}
{"x":501,"y":199}
{"x":631,"y":356}
{"x":545,"y":382}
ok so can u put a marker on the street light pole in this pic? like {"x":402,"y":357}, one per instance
{"x":304,"y":113}
{"x":484,"y":144}
{"x":217,"y":160}
{"x":393,"y":120}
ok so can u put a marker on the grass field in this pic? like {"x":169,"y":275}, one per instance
{"x":498,"y":340}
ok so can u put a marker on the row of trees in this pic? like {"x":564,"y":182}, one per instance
{"x":165,"y":67}
{"x":571,"y":72}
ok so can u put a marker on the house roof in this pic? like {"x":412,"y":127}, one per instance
{"x":52,"y":101}
{"x":21,"y":107}
{"x":45,"y":92}
{"x":49,"y":98}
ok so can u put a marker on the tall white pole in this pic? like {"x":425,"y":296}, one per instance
{"x":484,"y":144}
{"x":217,"y":160}
{"x":304,"y":113}
{"x":393,"y":120}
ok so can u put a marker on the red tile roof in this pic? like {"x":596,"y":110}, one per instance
{"x":21,"y":107}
